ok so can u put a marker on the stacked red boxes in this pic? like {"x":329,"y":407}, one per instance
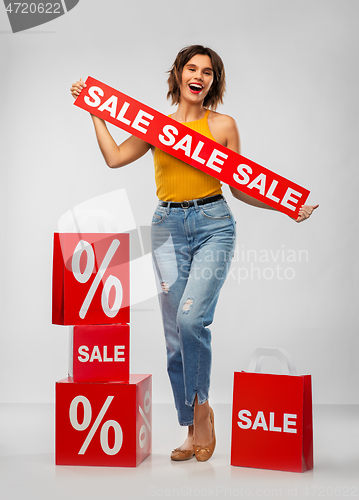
{"x":103,"y":414}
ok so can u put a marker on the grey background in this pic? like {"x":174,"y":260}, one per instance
{"x":292,"y":88}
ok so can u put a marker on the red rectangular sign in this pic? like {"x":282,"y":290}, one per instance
{"x":192,"y":147}
{"x":100,"y":353}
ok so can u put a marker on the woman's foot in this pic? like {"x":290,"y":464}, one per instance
{"x":185,"y":451}
{"x":202,"y":424}
{"x":205,"y":438}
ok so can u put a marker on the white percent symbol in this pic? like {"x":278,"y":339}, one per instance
{"x":87,"y":411}
{"x":143,"y":431}
{"x":112,"y":281}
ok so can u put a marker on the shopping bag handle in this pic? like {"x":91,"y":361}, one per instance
{"x":286,"y":360}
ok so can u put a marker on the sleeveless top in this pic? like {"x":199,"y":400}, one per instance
{"x":178,"y":181}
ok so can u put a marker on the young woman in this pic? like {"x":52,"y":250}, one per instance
{"x":193,"y":237}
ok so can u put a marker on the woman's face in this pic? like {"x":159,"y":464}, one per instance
{"x":197,"y":78}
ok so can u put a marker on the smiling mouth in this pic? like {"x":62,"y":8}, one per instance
{"x":196,"y":88}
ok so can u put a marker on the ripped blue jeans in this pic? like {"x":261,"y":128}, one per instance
{"x":192,"y":250}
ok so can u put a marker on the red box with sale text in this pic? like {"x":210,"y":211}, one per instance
{"x":103,"y":424}
{"x":99,"y":353}
{"x":91,"y":279}
{"x":272,"y":421}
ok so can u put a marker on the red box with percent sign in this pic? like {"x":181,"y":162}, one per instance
{"x":103,"y":424}
{"x":99,"y":353}
{"x":91,"y":279}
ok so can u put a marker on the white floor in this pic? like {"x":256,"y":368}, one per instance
{"x":27,"y":469}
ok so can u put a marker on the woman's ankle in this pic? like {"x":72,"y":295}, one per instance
{"x":201,"y":411}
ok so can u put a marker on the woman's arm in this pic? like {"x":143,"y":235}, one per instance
{"x":115,"y":155}
{"x":118,"y":155}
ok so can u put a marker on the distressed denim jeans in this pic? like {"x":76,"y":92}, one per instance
{"x":192,"y":250}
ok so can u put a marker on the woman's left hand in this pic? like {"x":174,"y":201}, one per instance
{"x":305,"y":212}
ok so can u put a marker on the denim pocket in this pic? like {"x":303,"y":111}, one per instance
{"x":216,"y":211}
{"x":158,"y":216}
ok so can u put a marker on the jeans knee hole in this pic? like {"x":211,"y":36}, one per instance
{"x":165,"y":286}
{"x":187,"y":305}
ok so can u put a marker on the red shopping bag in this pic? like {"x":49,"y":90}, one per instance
{"x":272,"y":417}
{"x":91,"y":279}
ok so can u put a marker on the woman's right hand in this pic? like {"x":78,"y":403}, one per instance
{"x":77,"y":87}
{"x":115,"y":156}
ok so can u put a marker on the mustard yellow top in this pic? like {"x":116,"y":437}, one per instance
{"x":178,"y":181}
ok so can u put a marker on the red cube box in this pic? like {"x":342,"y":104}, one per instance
{"x":99,"y":353}
{"x":91,"y":279}
{"x":103,"y":424}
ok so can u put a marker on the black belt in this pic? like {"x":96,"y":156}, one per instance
{"x":187,"y":204}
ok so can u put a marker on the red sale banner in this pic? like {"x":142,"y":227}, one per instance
{"x":192,"y":147}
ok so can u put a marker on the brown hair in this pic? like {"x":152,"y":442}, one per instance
{"x":215,"y":95}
